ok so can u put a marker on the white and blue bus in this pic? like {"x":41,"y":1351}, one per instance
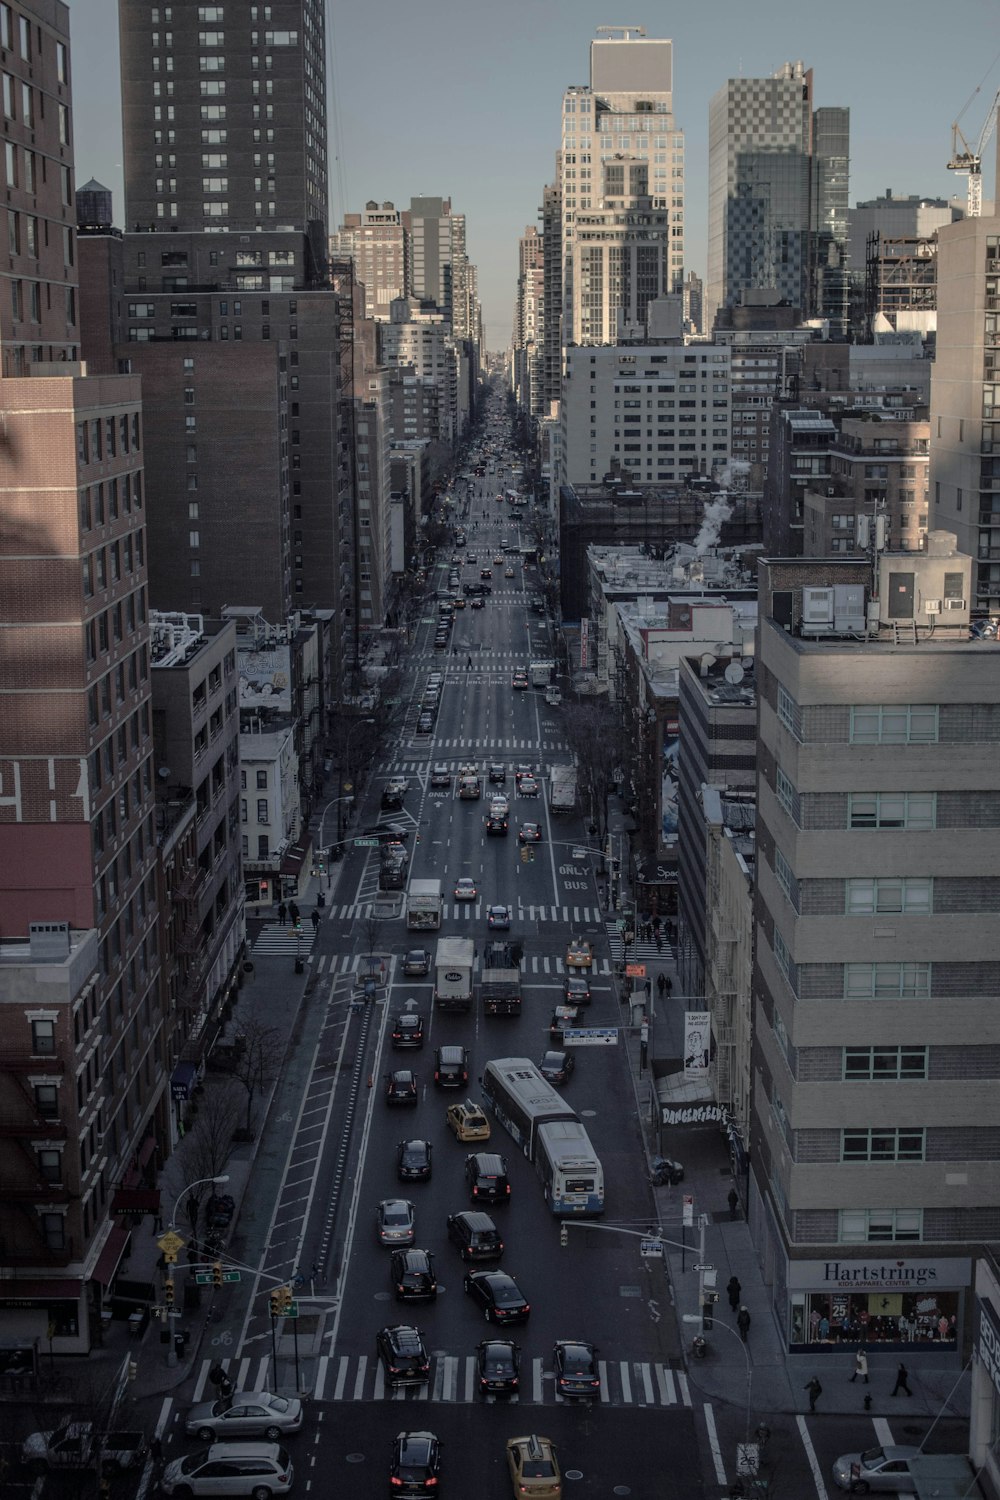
{"x":549,"y":1133}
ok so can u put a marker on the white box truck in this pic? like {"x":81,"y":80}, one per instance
{"x":562,"y":789}
{"x":453,"y":973}
{"x":423,"y":905}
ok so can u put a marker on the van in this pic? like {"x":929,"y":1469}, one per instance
{"x":257,"y":1469}
{"x":475,"y":1235}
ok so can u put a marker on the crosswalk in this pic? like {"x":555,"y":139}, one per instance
{"x":492,"y":653}
{"x":334,"y":964}
{"x":474,"y":911}
{"x":477,"y":749}
{"x":639,"y":951}
{"x":359,"y":1377}
{"x":275,"y":941}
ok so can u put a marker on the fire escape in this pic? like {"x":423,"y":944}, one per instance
{"x":26,"y":1123}
{"x":189,"y":944}
{"x":344,"y":284}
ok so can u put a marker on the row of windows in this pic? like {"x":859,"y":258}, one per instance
{"x":874,"y":723}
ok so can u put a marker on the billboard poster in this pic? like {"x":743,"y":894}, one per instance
{"x":266,"y":678}
{"x":584,"y":643}
{"x":697,"y":1043}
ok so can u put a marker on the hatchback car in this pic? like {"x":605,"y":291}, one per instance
{"x":576,"y":988}
{"x":402,"y":1354}
{"x":529,"y":833}
{"x":395,"y":1222}
{"x":417,"y":962}
{"x":519,"y":680}
{"x":499,"y":1295}
{"x":475,"y":1236}
{"x":407,"y":1031}
{"x":498,"y":918}
{"x":508,"y":572}
{"x":486,"y":572}
{"x":522,"y":771}
{"x":257,"y":1469}
{"x":882,"y":1470}
{"x":401,"y":1087}
{"x":244,"y":1414}
{"x":486,"y":1174}
{"x":451,"y":1067}
{"x":467,"y":1122}
{"x":413,"y":1160}
{"x":498,"y":774}
{"x":425,"y":724}
{"x":576,"y":1368}
{"x":528,"y":786}
{"x":412,"y":1273}
{"x":465,"y":889}
{"x":497,"y":1363}
{"x":557,"y":1065}
{"x":416,"y":1465}
{"x":534,"y":1468}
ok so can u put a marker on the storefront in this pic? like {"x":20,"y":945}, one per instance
{"x":884,"y":1300}
{"x":984,"y":1425}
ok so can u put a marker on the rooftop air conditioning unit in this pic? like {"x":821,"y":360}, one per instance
{"x":932,"y":606}
{"x":955,"y":604}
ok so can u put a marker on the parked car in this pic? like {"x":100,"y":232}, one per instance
{"x":219,"y":1211}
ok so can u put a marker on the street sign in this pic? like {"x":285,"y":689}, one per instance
{"x":366,"y":843}
{"x":205,"y":1278}
{"x":170,"y":1243}
{"x":291,"y":1311}
{"x":688,"y":1210}
{"x":635,"y":971}
{"x":590,"y":1036}
{"x":650,"y":1249}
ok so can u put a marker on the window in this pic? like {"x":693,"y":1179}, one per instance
{"x":788,"y":712}
{"x":883,"y":1144}
{"x":49,"y":1164}
{"x":870,"y":1225}
{"x":785,"y":792}
{"x":262,"y":812}
{"x":43,"y":1038}
{"x":47,"y":1100}
{"x":262,"y":846}
{"x":885,"y":1064}
{"x":894,"y":724}
{"x":891,"y":810}
{"x":887,"y":981}
{"x":782,"y":956}
{"x":869,"y":896}
{"x":784,"y":875}
{"x":53,"y":1228}
{"x":262,"y":781}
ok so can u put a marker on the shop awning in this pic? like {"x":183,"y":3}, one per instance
{"x":110,"y":1257}
{"x":39,"y":1291}
{"x":182,"y":1080}
{"x":292,"y":862}
{"x":129,"y":1200}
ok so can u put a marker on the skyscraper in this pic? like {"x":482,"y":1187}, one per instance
{"x":378,"y":242}
{"x":621,"y":183}
{"x":777,"y":184}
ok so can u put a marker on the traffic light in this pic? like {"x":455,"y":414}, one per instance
{"x":525,"y":854}
{"x":168,"y":1291}
{"x":563,"y":1235}
{"x":286,"y":1299}
{"x":133,"y":1369}
{"x":275,"y":1302}
{"x":217,"y":1273}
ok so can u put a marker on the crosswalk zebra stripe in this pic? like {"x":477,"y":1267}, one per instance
{"x":665,"y":1384}
{"x":338,"y":1390}
{"x":359,"y":1383}
{"x":602,"y":1372}
{"x":645,"y":1375}
{"x":626,"y":1380}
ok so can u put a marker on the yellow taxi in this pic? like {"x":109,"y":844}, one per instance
{"x":579,"y":955}
{"x":534,"y":1468}
{"x":468,"y":1121}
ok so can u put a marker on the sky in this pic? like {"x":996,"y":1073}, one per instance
{"x":462,"y":98}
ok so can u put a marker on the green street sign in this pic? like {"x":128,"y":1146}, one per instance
{"x":231,"y":1276}
{"x":366,"y":843}
{"x":205,"y":1278}
{"x":292,"y":1310}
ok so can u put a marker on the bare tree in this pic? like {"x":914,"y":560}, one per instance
{"x":205,"y":1151}
{"x":371,"y":927}
{"x":258,"y":1062}
{"x":594,"y":731}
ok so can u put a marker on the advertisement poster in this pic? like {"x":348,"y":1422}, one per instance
{"x":697,"y":1043}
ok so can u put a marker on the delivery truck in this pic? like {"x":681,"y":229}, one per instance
{"x":423,"y":905}
{"x":500,"y":983}
{"x":562,"y":789}
{"x":453,"y":973}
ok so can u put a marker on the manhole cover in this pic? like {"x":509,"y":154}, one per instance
{"x":588,"y":1113}
{"x":572,"y":1473}
{"x":355,"y":1458}
{"x":621,"y":1489}
{"x":381,"y":1296}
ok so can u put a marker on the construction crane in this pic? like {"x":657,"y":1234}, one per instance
{"x":970,"y":159}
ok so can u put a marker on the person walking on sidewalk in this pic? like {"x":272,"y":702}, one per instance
{"x":815,"y":1391}
{"x":282,"y":912}
{"x":902,"y":1377}
{"x":734,"y":1202}
{"x":743,"y":1322}
{"x":860,"y":1367}
{"x":734,"y":1290}
{"x":661,"y":985}
{"x":314,"y":918}
{"x":293,"y":912}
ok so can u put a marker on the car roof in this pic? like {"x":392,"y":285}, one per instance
{"x":243,"y":1450}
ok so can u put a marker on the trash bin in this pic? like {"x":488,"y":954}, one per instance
{"x":320,"y":899}
{"x":181,"y":1340}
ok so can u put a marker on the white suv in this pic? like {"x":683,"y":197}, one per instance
{"x":255,"y":1469}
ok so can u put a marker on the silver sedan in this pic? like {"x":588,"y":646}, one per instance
{"x":244,"y":1414}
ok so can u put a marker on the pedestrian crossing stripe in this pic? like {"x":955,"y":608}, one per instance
{"x":459,"y":911}
{"x":638,"y":952}
{"x":348,"y":964}
{"x":344,"y":1377}
{"x":275,"y":939}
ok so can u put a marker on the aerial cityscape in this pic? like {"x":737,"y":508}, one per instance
{"x":491,"y":753}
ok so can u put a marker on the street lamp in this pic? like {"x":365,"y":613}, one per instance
{"x":696,"y":1318}
{"x":348,"y":797}
{"x":172,"y":1313}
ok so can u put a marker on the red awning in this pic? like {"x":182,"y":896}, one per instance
{"x":135,"y":1200}
{"x":107,"y":1261}
{"x":39,"y":1291}
{"x":293,"y":860}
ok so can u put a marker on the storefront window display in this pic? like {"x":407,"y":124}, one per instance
{"x":922,"y":1317}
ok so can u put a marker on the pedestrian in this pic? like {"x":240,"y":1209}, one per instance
{"x":743,"y":1322}
{"x":282,"y":912}
{"x":670,"y":986}
{"x":661,"y":985}
{"x":733,"y":1290}
{"x":815,"y":1391}
{"x":659,"y":943}
{"x":860,"y":1367}
{"x":469,"y":662}
{"x":734,"y":1202}
{"x":902,"y":1375}
{"x":293,"y":912}
{"x":649,"y":989}
{"x":314,"y":919}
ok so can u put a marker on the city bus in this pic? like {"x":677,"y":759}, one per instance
{"x":549,"y":1133}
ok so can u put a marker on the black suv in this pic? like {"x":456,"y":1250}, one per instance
{"x":486,"y":1174}
{"x":498,"y":1360}
{"x":413,"y":1160}
{"x":416,"y":1465}
{"x":403,"y":1355}
{"x":451,"y":1067}
{"x":475,"y":1235}
{"x":413,"y":1277}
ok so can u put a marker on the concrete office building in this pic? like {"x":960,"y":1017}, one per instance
{"x":378,"y":242}
{"x":620,"y":147}
{"x":878,"y":470}
{"x":965,"y":400}
{"x":420,"y":339}
{"x":83,"y":1053}
{"x":778,"y":195}
{"x":876,"y":1051}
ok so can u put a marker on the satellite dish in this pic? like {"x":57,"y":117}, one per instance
{"x":164,"y":773}
{"x":746,"y":662}
{"x":707,"y":662}
{"x":734,"y":673}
